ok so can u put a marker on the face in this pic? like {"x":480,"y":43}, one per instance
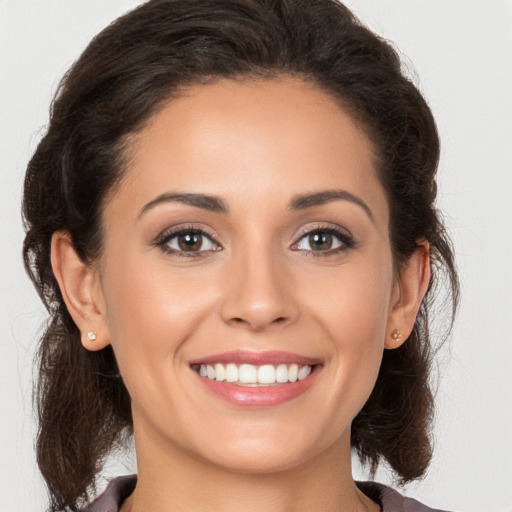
{"x":247,"y":282}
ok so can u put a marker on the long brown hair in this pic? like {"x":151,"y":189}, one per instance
{"x":141,"y":60}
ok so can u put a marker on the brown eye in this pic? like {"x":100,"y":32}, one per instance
{"x":190,"y":241}
{"x":328,"y":240}
{"x":320,"y":241}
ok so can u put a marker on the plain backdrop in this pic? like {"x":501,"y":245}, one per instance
{"x":460,"y":53}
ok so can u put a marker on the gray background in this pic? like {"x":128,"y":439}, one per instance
{"x":461,"y":52}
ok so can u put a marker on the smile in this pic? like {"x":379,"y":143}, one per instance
{"x":256,"y":379}
{"x":252,"y":375}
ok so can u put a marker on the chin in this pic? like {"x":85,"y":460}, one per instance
{"x":265,"y":451}
{"x":258,"y":458}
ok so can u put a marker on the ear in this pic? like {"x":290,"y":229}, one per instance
{"x":80,"y":287}
{"x":410,"y":288}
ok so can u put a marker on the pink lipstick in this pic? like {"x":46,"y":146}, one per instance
{"x":256,"y":379}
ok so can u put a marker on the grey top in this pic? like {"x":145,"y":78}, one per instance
{"x":389,"y":499}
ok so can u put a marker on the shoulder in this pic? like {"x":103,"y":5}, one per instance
{"x":111,"y":500}
{"x":391,"y":500}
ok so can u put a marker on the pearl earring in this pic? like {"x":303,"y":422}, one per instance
{"x":91,"y":336}
{"x":396,"y":335}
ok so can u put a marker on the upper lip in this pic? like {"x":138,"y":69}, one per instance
{"x":256,"y":358}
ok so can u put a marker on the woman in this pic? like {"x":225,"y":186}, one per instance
{"x":231,"y":220}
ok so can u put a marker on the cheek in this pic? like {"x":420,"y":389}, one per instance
{"x":353,"y":301}
{"x":151,"y":314}
{"x":352,"y":306}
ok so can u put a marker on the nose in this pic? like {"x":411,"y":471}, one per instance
{"x":259,"y":293}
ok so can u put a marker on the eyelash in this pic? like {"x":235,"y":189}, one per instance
{"x":162,"y":241}
{"x":164,"y":238}
{"x":347,"y":241}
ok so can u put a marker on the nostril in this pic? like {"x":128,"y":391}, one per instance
{"x":255,"y":324}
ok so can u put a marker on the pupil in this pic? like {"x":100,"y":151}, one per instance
{"x":320,"y":241}
{"x":190,"y":241}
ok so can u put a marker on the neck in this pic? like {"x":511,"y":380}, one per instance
{"x":173,"y":479}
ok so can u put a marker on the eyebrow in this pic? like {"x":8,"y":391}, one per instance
{"x":304,"y":201}
{"x":206,"y":202}
{"x":216,"y":204}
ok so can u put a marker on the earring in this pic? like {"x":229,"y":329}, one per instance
{"x":396,"y":335}
{"x":91,"y":336}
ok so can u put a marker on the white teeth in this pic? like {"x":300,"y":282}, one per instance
{"x":250,"y":374}
{"x":282,"y":373}
{"x":231,"y":372}
{"x":220,"y":372}
{"x":304,"y":372}
{"x":266,"y":374}
{"x":293,"y":372}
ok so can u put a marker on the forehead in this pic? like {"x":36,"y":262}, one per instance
{"x":254,"y":140}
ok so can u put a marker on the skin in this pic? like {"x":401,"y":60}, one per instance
{"x":257,"y":285}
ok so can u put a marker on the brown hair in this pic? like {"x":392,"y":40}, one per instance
{"x":127,"y":71}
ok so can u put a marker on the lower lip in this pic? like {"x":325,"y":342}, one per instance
{"x":259,"y":396}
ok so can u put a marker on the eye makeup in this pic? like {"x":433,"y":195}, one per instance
{"x":191,"y":240}
{"x":187,"y":241}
